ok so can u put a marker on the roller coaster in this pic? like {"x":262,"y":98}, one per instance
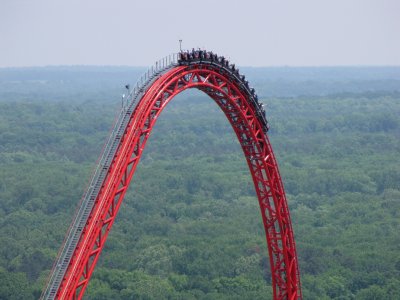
{"x":218,"y":78}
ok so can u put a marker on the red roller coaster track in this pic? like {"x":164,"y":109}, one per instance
{"x":222,"y":82}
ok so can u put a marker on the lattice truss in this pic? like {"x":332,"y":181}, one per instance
{"x":244,"y":116}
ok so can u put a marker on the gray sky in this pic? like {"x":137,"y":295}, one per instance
{"x":250,"y":33}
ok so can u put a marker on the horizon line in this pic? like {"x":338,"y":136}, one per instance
{"x":239,"y":66}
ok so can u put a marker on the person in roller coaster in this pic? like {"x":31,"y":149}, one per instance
{"x":197,"y":54}
{"x":210,"y":56}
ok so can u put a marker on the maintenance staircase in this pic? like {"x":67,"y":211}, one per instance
{"x":100,"y":173}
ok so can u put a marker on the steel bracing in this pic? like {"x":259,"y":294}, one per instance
{"x":219,"y":79}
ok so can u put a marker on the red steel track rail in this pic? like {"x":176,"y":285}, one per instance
{"x":215,"y":77}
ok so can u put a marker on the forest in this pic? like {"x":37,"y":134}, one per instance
{"x":190,"y":225}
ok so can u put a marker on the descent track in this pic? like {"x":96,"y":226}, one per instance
{"x":99,"y":206}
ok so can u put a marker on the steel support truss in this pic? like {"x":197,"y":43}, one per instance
{"x":252,"y":136}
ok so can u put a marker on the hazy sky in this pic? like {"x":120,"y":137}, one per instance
{"x":251,"y":33}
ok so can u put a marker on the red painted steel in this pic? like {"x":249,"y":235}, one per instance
{"x":260,"y":159}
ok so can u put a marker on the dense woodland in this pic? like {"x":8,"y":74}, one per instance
{"x":190,"y":226}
